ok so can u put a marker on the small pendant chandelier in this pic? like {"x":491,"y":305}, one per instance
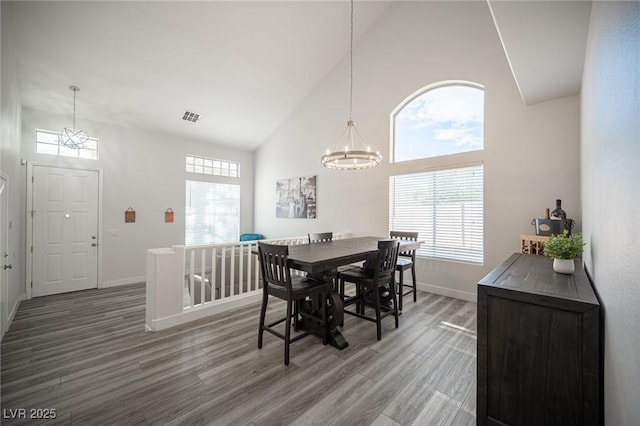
{"x":346,"y":156}
{"x":72,"y":137}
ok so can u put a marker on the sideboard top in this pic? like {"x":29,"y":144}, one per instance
{"x":535,"y":275}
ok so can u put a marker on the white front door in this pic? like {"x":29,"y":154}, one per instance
{"x":65,"y":230}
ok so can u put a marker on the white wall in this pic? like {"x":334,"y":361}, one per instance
{"x":531,"y":154}
{"x":10,"y":163}
{"x":142,"y":170}
{"x":610,"y":203}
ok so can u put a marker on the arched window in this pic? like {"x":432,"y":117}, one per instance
{"x":442,"y":201}
{"x":445,"y":119}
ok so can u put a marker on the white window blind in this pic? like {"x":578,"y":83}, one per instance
{"x":212,"y":212}
{"x":445,"y":207}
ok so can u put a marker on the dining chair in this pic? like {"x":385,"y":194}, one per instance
{"x":278,"y":282}
{"x":368,"y":283}
{"x":406,"y":260}
{"x":320,"y":237}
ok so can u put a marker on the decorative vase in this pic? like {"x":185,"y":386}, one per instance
{"x":564,"y":266}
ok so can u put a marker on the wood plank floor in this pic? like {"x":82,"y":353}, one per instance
{"x":86,"y":354}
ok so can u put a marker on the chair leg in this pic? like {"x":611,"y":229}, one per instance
{"x":287,"y":333}
{"x":358,"y":298}
{"x":400,"y":289}
{"x":376,"y":302}
{"x":263,"y":313}
{"x":415,"y":286}
{"x":395,"y":299}
{"x":325,"y":325}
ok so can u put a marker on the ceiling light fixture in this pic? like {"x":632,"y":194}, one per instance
{"x":72,"y":137}
{"x":349,"y":157}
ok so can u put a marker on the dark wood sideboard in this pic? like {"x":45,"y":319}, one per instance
{"x":539,"y":339}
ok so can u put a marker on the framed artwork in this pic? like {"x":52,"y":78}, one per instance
{"x":296,"y":197}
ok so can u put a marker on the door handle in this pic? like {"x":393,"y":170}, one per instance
{"x":94,"y":245}
{"x":8,"y":266}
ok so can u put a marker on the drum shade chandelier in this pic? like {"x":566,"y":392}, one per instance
{"x":346,"y":156}
{"x":72,"y":137}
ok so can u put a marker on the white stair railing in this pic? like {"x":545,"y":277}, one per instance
{"x":209,"y":278}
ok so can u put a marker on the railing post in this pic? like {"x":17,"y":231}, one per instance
{"x":165,"y":279}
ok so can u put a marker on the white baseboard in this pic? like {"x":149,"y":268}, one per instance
{"x":14,"y":310}
{"x":123,"y":281}
{"x":199,"y":312}
{"x":12,"y":313}
{"x":449,"y":292}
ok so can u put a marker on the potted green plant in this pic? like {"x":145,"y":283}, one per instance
{"x":563,"y":249}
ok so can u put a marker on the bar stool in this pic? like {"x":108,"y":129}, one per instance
{"x":277,"y":282}
{"x":368,"y":282}
{"x":406,"y":260}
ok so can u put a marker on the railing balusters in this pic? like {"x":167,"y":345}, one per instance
{"x":249,"y":263}
{"x":216,"y":256}
{"x":257,"y":268}
{"x":241,"y":286}
{"x":214,"y":269}
{"x":212,"y":279}
{"x":203,"y":275}
{"x":223,"y":275}
{"x":232,"y":287}
{"x":192,"y":266}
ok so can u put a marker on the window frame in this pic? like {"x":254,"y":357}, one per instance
{"x":59,"y":147}
{"x":433,"y":252}
{"x":194,"y":177}
{"x":212,"y":166}
{"x":406,"y":101}
{"x":450,"y":161}
{"x":213,"y":179}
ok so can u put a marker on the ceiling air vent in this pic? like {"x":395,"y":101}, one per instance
{"x":190,"y":116}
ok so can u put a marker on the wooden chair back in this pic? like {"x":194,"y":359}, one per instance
{"x":320,"y":237}
{"x":273,"y":263}
{"x":402,"y":235}
{"x":387,"y":258}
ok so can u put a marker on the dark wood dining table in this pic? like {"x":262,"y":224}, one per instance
{"x":321,"y":259}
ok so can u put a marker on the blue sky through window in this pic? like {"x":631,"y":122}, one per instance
{"x":442,"y":121}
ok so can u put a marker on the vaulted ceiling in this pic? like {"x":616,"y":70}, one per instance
{"x":244,"y":66}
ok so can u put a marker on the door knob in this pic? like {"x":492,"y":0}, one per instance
{"x":8,"y":266}
{"x":94,"y":245}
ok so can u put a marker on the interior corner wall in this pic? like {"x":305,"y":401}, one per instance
{"x":610,"y":151}
{"x":10,"y":160}
{"x":145,"y":171}
{"x":531,"y":155}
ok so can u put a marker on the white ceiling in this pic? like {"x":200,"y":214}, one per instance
{"x":545,"y":43}
{"x":243,"y":65}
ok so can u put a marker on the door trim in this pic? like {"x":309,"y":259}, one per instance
{"x":29,"y":239}
{"x":4,"y":233}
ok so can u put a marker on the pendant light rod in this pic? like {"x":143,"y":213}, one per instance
{"x":345,"y":155}
{"x":75,"y":89}
{"x":351,"y":66}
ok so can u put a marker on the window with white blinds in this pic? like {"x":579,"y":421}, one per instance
{"x":445,"y":207}
{"x":212,"y":212}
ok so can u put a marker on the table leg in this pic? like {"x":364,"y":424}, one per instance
{"x":335,"y":317}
